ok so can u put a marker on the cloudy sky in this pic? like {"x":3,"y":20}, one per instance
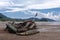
{"x":28,"y":8}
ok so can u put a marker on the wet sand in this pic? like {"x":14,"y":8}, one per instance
{"x":48,"y":31}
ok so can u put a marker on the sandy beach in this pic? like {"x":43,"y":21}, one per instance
{"x":48,"y":31}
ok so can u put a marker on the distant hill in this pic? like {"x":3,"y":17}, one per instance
{"x":42,"y":19}
{"x":36,"y":19}
{"x":46,"y":19}
{"x":5,"y":18}
{"x":2,"y":16}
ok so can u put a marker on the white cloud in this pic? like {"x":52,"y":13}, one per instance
{"x":47,"y":5}
{"x":40,"y":4}
{"x":46,"y":15}
{"x":51,"y":16}
{"x":15,"y":9}
{"x":29,"y":4}
{"x":33,"y":4}
{"x":4,"y":4}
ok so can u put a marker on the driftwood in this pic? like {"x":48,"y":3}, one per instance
{"x":27,"y":27}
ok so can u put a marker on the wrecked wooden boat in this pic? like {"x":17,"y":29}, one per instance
{"x":24,"y":28}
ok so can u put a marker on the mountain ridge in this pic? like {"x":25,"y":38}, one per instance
{"x":4,"y":18}
{"x":41,"y":19}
